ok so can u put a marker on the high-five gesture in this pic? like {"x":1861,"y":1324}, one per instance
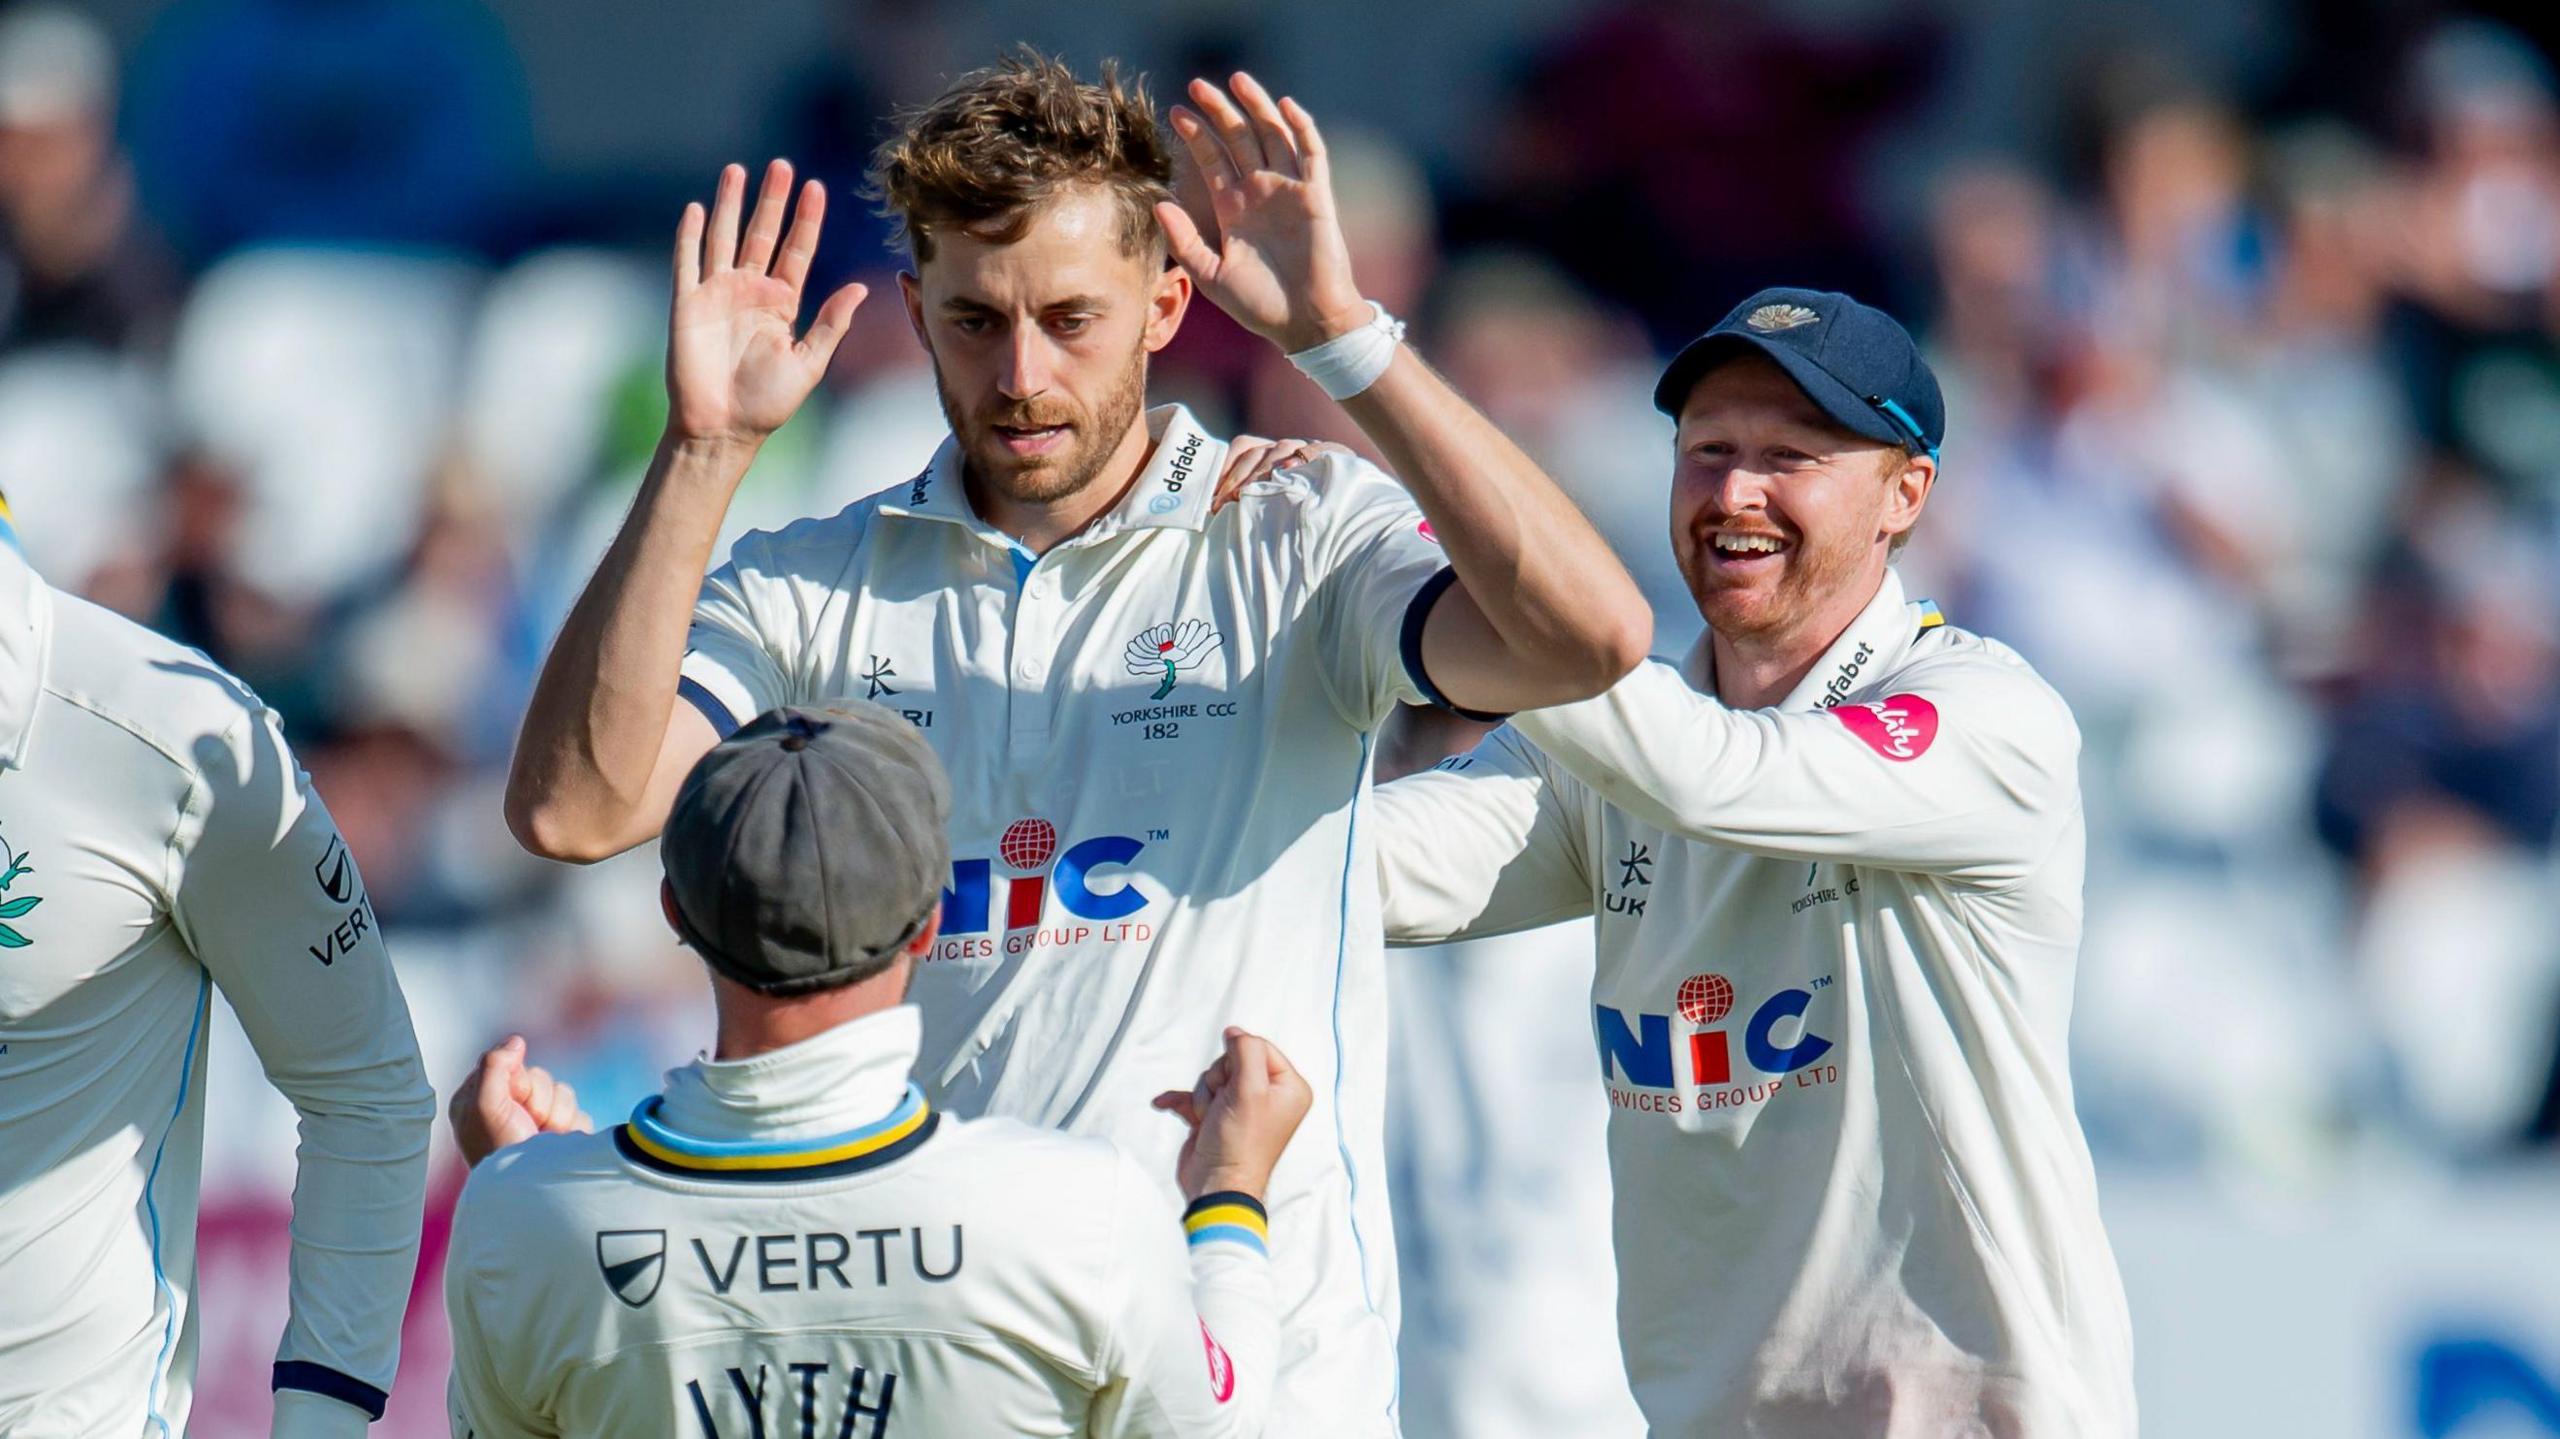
{"x":734,"y":373}
{"x":1278,"y":263}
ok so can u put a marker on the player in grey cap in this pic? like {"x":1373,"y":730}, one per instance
{"x":789,"y":1238}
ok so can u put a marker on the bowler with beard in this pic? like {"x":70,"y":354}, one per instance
{"x":1158,"y":721}
{"x":1835,"y":863}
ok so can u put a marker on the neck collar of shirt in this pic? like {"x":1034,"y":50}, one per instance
{"x":26,"y":636}
{"x":830,"y":1083}
{"x":1172,"y":491}
{"x":1874,"y":641}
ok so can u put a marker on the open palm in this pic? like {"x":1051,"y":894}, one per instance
{"x":734,"y":372}
{"x":1280,"y":265}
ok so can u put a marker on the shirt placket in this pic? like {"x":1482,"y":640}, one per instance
{"x":1031,"y":661}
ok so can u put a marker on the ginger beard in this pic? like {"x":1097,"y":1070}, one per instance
{"x":1761,"y":464}
{"x":1068,"y":464}
{"x":1750,"y":596}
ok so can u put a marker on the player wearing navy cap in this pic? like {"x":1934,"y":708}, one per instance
{"x":1835,"y":859}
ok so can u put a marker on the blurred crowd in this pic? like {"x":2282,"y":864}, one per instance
{"x":2255,"y":453}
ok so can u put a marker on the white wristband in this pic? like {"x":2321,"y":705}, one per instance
{"x":1349,"y":363}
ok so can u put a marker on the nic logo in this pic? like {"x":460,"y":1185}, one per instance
{"x":1639,"y":1049}
{"x":1027,"y":852}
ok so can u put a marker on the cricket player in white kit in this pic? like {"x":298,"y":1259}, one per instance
{"x":158,"y":842}
{"x":1835,"y":861}
{"x":1158,"y":721}
{"x":791,"y":1239}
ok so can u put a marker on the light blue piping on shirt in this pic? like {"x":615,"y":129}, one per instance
{"x":1341,"y":1140}
{"x":151,"y":1206}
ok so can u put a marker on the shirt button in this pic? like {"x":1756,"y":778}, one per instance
{"x":1031,"y":671}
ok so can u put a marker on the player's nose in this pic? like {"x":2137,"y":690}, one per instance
{"x":1737,"y":489}
{"x":1027,"y":369}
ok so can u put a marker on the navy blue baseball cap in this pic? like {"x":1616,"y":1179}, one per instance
{"x":1855,"y":361}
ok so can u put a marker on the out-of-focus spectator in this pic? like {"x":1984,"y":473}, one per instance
{"x":179,"y":573}
{"x":2479,"y":252}
{"x":1673,"y":157}
{"x":2441,"y":787}
{"x":1571,"y":381}
{"x":78,"y":263}
{"x":2456,"y":721}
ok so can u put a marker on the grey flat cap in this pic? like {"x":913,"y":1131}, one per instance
{"x":809,"y":847}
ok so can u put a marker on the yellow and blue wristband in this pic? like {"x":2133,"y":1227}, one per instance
{"x":1228,"y":1217}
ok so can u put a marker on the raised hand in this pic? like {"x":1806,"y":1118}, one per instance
{"x":734,"y":373}
{"x":1278,"y":262}
{"x":507,"y":1101}
{"x":1252,"y":459}
{"x":1241,"y":1113}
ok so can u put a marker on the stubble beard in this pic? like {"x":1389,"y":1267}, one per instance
{"x":1046,"y":479}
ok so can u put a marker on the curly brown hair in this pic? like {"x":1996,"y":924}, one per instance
{"x":986,"y":153}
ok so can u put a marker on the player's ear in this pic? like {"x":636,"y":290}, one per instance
{"x":1908,"y":493}
{"x":1168,"y":299}
{"x":922,"y":944}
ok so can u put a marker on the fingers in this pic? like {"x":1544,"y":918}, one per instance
{"x":1312,"y":161}
{"x":1234,"y":131}
{"x":539,"y":1092}
{"x":725,"y":204}
{"x":826,"y":331}
{"x":1250,"y":461}
{"x":1247,"y":456}
{"x":764,"y":227}
{"x":1248,"y":1061}
{"x":689,"y":247}
{"x":801,"y":245}
{"x":1279,"y":147}
{"x":564,"y":1115}
{"x":1183,"y":239}
{"x":501,"y":1072}
{"x":1282,"y":1092}
{"x":1217,"y":168}
{"x":486,"y":1113}
{"x":1177,"y":1103}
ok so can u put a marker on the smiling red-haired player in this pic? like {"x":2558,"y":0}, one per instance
{"x":1835,"y":861}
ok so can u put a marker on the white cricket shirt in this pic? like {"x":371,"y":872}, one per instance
{"x":799,"y":1245}
{"x":1158,"y":736}
{"x":157,"y":842}
{"x":1835,"y":949}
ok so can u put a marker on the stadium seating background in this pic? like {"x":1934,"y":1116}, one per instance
{"x":329,"y":342}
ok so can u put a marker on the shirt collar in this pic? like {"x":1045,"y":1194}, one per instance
{"x":830,"y":1083}
{"x":1172,"y":491}
{"x":1873,"y":641}
{"x":26,"y":642}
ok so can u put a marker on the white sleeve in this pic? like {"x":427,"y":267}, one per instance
{"x":1968,"y":769}
{"x":1483,"y":843}
{"x":731,"y":671}
{"x":1376,"y":573}
{"x":477,"y":1404}
{"x":269,"y":901}
{"x":1195,"y":1348}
